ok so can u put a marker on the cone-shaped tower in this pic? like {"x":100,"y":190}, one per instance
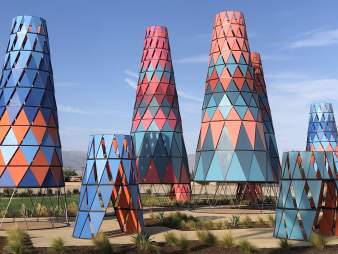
{"x":232,"y":146}
{"x":161,"y":157}
{"x":322,"y":136}
{"x":322,"y":131}
{"x":30,"y":150}
{"x":109,"y":178}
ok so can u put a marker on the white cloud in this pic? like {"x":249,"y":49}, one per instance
{"x":189,"y":97}
{"x":197,"y":59}
{"x":290,"y":95}
{"x":71,"y":109}
{"x":316,"y":38}
{"x":130,"y":82}
{"x":131,"y":73}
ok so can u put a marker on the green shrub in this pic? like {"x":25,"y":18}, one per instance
{"x":41,"y":210}
{"x":171,"y":239}
{"x":72,"y":208}
{"x":247,"y":222}
{"x":247,"y":247}
{"x":234,"y":221}
{"x":271,"y":220}
{"x":143,"y":243}
{"x":261,"y":221}
{"x":207,"y":238}
{"x":318,"y":241}
{"x":183,"y":244}
{"x":17,"y":241}
{"x":284,"y":244}
{"x":102,"y":244}
{"x":58,"y":246}
{"x":161,"y":217}
{"x":227,"y":241}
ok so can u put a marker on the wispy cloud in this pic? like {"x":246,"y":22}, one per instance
{"x":130,"y":82}
{"x":290,"y":95}
{"x":316,"y":38}
{"x":131,"y":73}
{"x":71,"y":109}
{"x":189,"y":97}
{"x":197,"y":59}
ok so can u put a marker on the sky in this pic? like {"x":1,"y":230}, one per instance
{"x":96,"y":49}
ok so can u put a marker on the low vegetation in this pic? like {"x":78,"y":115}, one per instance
{"x":319,"y":241}
{"x":102,"y":244}
{"x":18,"y":242}
{"x":227,"y":241}
{"x":284,"y":244}
{"x":58,"y":246}
{"x":143,"y":243}
{"x":207,"y":238}
{"x":247,"y":247}
{"x":182,"y":221}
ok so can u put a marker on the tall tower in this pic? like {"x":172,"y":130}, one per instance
{"x":232,"y":143}
{"x":161,"y":157}
{"x":30,"y":150}
{"x":322,"y":136}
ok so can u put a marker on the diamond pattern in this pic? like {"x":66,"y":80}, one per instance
{"x":237,"y":141}
{"x":30,"y":148}
{"x":157,"y":127}
{"x":109,"y":178}
{"x":307,"y":195}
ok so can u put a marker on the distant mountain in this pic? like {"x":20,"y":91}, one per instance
{"x":77,"y":160}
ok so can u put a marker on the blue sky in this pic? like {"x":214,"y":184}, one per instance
{"x":96,"y":48}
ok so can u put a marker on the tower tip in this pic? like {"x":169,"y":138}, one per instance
{"x":157,"y":30}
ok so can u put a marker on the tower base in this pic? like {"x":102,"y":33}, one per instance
{"x":235,"y":195}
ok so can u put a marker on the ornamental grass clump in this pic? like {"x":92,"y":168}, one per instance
{"x":247,"y":247}
{"x":102,"y":244}
{"x":319,"y":241}
{"x":18,"y":242}
{"x":227,"y":241}
{"x":143,"y":243}
{"x":58,"y":246}
{"x":207,"y":238}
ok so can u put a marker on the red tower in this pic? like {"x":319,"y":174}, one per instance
{"x":161,"y":157}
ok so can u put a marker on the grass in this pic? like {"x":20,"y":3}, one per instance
{"x":284,"y":244}
{"x":207,"y":238}
{"x":17,"y":241}
{"x":227,"y":241}
{"x":247,"y":247}
{"x":102,"y":244}
{"x":58,"y":246}
{"x":271,"y":220}
{"x":235,"y":221}
{"x":23,"y":204}
{"x":181,"y":243}
{"x":319,"y":241}
{"x":143,"y":243}
{"x":247,"y":222}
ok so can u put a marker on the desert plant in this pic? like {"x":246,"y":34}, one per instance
{"x":207,"y":238}
{"x":41,"y":210}
{"x":76,"y":191}
{"x":261,"y":221}
{"x":161,"y":217}
{"x":18,"y":242}
{"x":58,"y":246}
{"x":247,"y":222}
{"x":284,"y":244}
{"x":149,"y":192}
{"x":227,"y":241}
{"x":234,"y":221}
{"x":23,"y":210}
{"x":102,"y":244}
{"x":72,"y":209}
{"x":171,"y":239}
{"x":271,"y":220}
{"x":318,"y":241}
{"x":247,"y":247}
{"x":143,"y":243}
{"x":183,"y":243}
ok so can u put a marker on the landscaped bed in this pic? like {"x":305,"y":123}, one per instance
{"x":182,"y":221}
